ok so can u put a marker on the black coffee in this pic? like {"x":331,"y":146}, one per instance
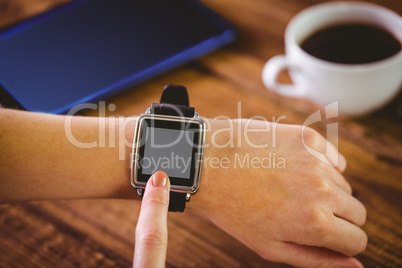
{"x":352,"y":43}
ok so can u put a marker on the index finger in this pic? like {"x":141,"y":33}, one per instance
{"x":151,"y":230}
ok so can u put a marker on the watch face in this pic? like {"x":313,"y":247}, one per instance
{"x":170,"y":146}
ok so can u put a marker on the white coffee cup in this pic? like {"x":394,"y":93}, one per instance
{"x":359,"y":88}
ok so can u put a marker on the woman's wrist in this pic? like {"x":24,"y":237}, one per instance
{"x":218,"y":160}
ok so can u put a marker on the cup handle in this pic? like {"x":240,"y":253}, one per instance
{"x":270,"y":74}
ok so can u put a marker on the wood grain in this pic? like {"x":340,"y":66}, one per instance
{"x":100,"y":233}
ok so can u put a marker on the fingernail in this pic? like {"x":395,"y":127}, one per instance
{"x":159,"y":179}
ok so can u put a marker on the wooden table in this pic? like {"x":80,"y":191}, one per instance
{"x":100,"y":233}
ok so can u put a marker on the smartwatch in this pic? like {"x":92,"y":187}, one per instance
{"x":170,"y":137}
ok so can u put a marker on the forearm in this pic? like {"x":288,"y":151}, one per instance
{"x":44,"y":157}
{"x":41,"y":159}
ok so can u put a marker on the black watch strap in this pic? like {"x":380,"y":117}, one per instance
{"x":175,"y":94}
{"x":177,"y":201}
{"x":174,"y":101}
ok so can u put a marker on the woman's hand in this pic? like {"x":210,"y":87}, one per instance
{"x":281,"y":201}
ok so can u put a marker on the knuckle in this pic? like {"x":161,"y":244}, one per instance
{"x":320,"y":166}
{"x":323,"y":189}
{"x":151,"y":237}
{"x":311,"y":136}
{"x":318,"y":169}
{"x":318,"y":223}
{"x":326,"y":189}
{"x":348,"y":187}
{"x":361,"y":215}
{"x":155,"y":201}
{"x":358,"y":246}
{"x":362,"y":243}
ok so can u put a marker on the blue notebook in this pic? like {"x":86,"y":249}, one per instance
{"x":87,"y":50}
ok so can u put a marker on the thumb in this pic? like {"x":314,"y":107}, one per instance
{"x":151,"y":232}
